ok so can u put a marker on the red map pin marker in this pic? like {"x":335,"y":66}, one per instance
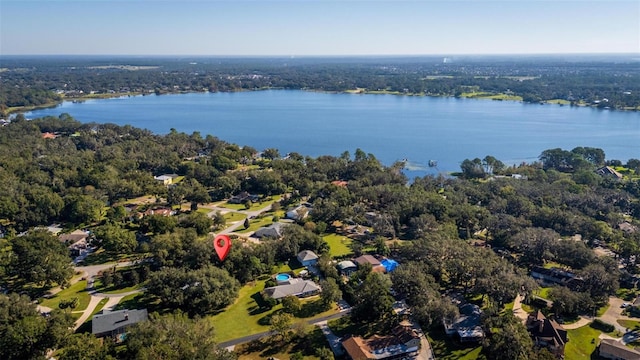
{"x":222,"y":244}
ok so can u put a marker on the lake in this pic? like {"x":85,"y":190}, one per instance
{"x":391,"y":127}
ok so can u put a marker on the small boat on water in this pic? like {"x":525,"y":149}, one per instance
{"x":433,"y":163}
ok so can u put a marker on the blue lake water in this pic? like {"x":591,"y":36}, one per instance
{"x":392,"y":128}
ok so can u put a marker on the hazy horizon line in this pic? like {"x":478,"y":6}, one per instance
{"x":326,"y":55}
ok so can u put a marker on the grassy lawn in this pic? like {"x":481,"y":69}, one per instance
{"x":97,"y":285}
{"x":234,"y":216}
{"x":602,"y":310}
{"x":544,"y":292}
{"x":446,"y":348}
{"x":254,"y":206}
{"x":133,"y":301}
{"x":256,"y":224}
{"x":76,"y":290}
{"x":267,"y":347}
{"x":103,"y":257}
{"x":630,"y":324}
{"x":338,"y":245}
{"x":243,"y":317}
{"x":627,"y":294}
{"x":582,"y":343}
{"x":558,"y":101}
{"x":248,"y":315}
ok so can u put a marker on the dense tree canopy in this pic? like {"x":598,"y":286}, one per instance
{"x":25,"y":333}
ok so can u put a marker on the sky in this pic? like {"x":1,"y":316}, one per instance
{"x":307,"y":27}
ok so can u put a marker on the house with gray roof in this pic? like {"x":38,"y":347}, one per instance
{"x":296,"y":287}
{"x":114,"y":323}
{"x":307,"y":258}
{"x":615,"y":349}
{"x":347,"y":267}
{"x":272,"y":231}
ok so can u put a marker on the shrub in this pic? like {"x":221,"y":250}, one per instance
{"x":602,"y":326}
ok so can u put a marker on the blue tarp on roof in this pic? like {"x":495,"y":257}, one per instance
{"x":389,"y":264}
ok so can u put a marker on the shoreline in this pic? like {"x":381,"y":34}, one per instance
{"x":478,"y":96}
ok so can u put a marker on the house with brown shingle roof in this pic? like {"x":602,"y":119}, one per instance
{"x":547,"y":333}
{"x":376,"y":266}
{"x":403,"y":341}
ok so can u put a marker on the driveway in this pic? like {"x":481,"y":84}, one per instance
{"x":334,"y":341}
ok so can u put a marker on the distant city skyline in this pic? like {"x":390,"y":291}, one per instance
{"x":317,"y":28}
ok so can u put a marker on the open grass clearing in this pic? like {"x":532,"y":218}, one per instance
{"x":233,"y":216}
{"x":254,"y":206}
{"x":582,"y":343}
{"x":629,"y":324}
{"x":99,"y":287}
{"x":248,"y":315}
{"x":78,"y":290}
{"x":544,"y":292}
{"x":446,"y":348}
{"x":101,"y":256}
{"x":255,"y":224}
{"x":338,"y":245}
{"x":132,"y":301}
{"x":558,"y":101}
{"x":271,"y":348}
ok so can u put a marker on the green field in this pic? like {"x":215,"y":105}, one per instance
{"x":232,"y":216}
{"x":254,"y":206}
{"x":338,"y":245}
{"x":582,"y":343}
{"x":445,"y":348}
{"x":630,"y":324}
{"x":76,"y":290}
{"x":97,"y":285}
{"x":256,"y":224}
{"x":267,"y":348}
{"x":246,"y":316}
{"x":558,"y":101}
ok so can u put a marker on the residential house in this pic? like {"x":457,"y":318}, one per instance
{"x":616,"y":350}
{"x":296,"y":287}
{"x":340,"y":183}
{"x":243,"y":197}
{"x":272,"y":231}
{"x":347,"y":267}
{"x":166,"y":179}
{"x":547,"y":333}
{"x":299,"y":213}
{"x":627,"y":227}
{"x":376,"y":266}
{"x":608,"y":171}
{"x":48,"y":135}
{"x":77,"y":242}
{"x":113,"y":324}
{"x":556,"y":276}
{"x":401,"y":343}
{"x":159,"y":211}
{"x":467,"y":325}
{"x":307,"y":258}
